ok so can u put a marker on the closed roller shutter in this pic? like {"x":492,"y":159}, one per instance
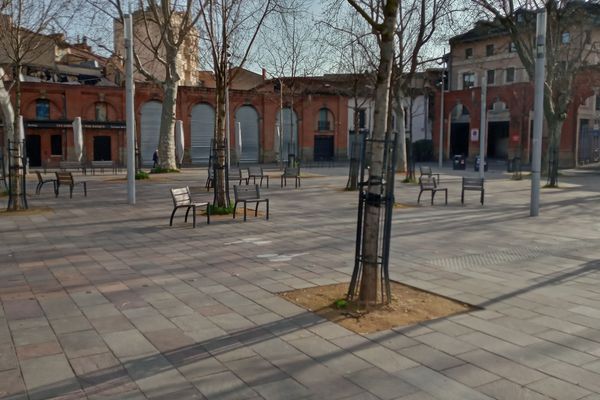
{"x":202,"y":131}
{"x":248,"y":118}
{"x":151,"y":113}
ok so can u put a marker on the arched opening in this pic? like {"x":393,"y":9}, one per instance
{"x":460,"y":120}
{"x":246,"y":119}
{"x":289,"y":139}
{"x":498,"y":117}
{"x":202,"y":132}
{"x":150,"y":133}
{"x":588,"y":135}
{"x":325,"y":121}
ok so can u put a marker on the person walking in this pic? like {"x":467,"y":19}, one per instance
{"x":155,"y":158}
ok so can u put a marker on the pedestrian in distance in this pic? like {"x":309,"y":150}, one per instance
{"x":155,"y":158}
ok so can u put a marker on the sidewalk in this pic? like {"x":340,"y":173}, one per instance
{"x":102,"y":300}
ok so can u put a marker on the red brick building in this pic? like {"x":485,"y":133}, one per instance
{"x":319,"y":122}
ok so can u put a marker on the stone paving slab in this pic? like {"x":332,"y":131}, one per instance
{"x":101,"y":300}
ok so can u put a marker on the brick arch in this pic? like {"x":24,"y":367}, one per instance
{"x":32,"y":104}
{"x":90,"y":111}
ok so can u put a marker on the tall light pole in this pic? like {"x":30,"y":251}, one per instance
{"x":483,"y":127}
{"x":129,"y":108}
{"x":441,"y":149}
{"x":538,"y":112}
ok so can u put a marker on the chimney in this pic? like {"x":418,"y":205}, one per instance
{"x":264,"y":74}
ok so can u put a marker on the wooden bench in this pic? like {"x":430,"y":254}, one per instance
{"x":101,"y":165}
{"x":182,"y":198}
{"x":291,"y":172}
{"x":74,"y":165}
{"x":66,"y":179}
{"x":429,"y":183}
{"x":426,"y":171}
{"x":244,"y":175}
{"x":257,"y":172}
{"x":475,"y":184}
{"x":248,"y":194}
{"x":42,"y":180}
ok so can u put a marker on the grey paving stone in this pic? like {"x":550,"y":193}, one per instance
{"x":384,"y":358}
{"x":70,"y":324}
{"x":49,"y":376}
{"x":470,"y":375}
{"x":283,"y":389}
{"x":506,"y":390}
{"x":438,"y":385}
{"x":223,"y":386}
{"x":11,"y":385}
{"x":558,"y":389}
{"x":445,"y":343}
{"x":126,"y":344}
{"x":499,"y":331}
{"x":502,"y":367}
{"x":380,"y":383}
{"x":430,"y":357}
{"x":578,"y":376}
{"x":83,"y":343}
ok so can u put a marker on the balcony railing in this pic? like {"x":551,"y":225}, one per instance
{"x":324,"y":126}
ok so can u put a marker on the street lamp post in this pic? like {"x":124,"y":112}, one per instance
{"x":129,"y":109}
{"x":441,"y":144}
{"x":538,"y":113}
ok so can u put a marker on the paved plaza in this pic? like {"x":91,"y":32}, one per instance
{"x":101,"y":300}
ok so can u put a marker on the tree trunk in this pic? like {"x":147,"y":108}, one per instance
{"x":166,"y":141}
{"x":555,"y":130}
{"x":10,"y":124}
{"x":371,"y":226}
{"x":220,"y":190}
{"x":8,"y":116}
{"x":401,"y":127}
{"x":354,"y":152}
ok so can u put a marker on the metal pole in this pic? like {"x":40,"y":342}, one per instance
{"x":483,"y":127}
{"x":441,"y":149}
{"x":227,"y":133}
{"x":129,"y":109}
{"x":538,"y":113}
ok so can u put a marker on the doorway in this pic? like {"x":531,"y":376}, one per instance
{"x":459,"y":139}
{"x":497,"y":146}
{"x":34,"y":150}
{"x":102,"y":149}
{"x":323,"y":148}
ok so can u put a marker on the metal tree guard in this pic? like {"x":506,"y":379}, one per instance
{"x":17,"y":161}
{"x":384,"y":199}
{"x":213,"y":163}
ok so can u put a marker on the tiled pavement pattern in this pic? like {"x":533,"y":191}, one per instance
{"x":101,"y":300}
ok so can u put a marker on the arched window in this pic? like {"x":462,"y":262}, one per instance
{"x":42,"y":109}
{"x":101,"y":112}
{"x":325,"y":122}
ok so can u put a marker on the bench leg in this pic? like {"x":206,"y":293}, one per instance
{"x":419,"y":198}
{"x":85,"y":189}
{"x":193,"y":216}
{"x":256,"y":210}
{"x":208,"y":214}
{"x":234,"y":209}
{"x":245,"y":209}
{"x":38,"y":187}
{"x":172,"y":215}
{"x":482,"y":193}
{"x":462,"y":197}
{"x":267,"y":209}
{"x":432,"y":196}
{"x":56,"y":190}
{"x":446,"y":195}
{"x":71,"y":191}
{"x":187,"y":212}
{"x":267,"y":181}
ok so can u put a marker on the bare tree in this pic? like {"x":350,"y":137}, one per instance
{"x":350,"y":39}
{"x":164,"y":30}
{"x":383,"y":23}
{"x":230,"y":29}
{"x":570,"y":50}
{"x":25,"y":25}
{"x":418,"y":24}
{"x":290,"y":48}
